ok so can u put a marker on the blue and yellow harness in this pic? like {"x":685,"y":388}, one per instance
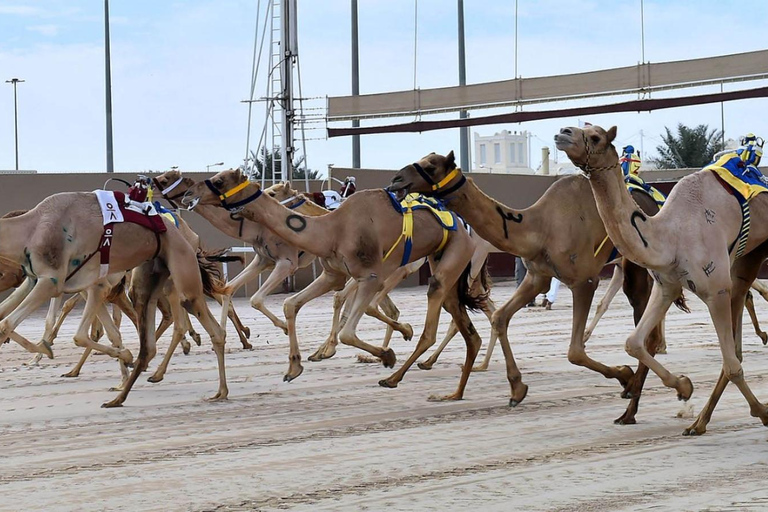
{"x":745,"y":182}
{"x":406,"y":207}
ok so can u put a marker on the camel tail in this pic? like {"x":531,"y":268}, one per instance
{"x":219,"y":255}
{"x":210,"y":274}
{"x":681,"y":304}
{"x":117,"y":290}
{"x":473,"y":301}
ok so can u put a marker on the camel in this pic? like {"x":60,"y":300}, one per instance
{"x":690,"y":244}
{"x":53,"y":242}
{"x":477,"y":281}
{"x":560,"y":236}
{"x":354,"y":241}
{"x":272,"y":252}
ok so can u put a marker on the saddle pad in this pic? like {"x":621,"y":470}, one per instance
{"x":745,"y":179}
{"x":637,"y":183}
{"x":114,"y":209}
{"x":165,"y":212}
{"x":446,"y":218}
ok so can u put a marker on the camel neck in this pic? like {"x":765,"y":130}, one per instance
{"x":511,"y":230}
{"x":634,"y":233}
{"x":307,"y":233}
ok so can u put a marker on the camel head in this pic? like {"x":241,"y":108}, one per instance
{"x":11,"y":275}
{"x":229,"y":189}
{"x":432,"y":175}
{"x":589,"y":148}
{"x":171,"y":185}
{"x":281,"y":191}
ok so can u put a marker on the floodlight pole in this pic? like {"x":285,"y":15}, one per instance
{"x":14,"y":82}
{"x":355,"y":84}
{"x":464,"y":131}
{"x":108,"y":85}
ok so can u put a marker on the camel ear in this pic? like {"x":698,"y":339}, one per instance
{"x":450,"y":160}
{"x":287,"y":185}
{"x":611,"y":133}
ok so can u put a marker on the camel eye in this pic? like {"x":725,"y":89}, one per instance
{"x":595,"y":139}
{"x":271,"y":194}
{"x":430,"y":169}
{"x":219,"y":182}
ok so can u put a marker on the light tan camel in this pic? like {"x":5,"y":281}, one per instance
{"x":58,"y":235}
{"x":272,"y":252}
{"x":686,"y":245}
{"x":352,"y":241}
{"x":560,"y":236}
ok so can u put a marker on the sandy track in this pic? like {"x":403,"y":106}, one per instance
{"x":333,"y":439}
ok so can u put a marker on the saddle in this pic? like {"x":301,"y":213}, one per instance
{"x":447,"y":220}
{"x":635,"y":182}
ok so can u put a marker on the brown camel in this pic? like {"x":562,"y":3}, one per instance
{"x":688,"y":244}
{"x":353,"y":241}
{"x":57,"y":237}
{"x":560,"y":236}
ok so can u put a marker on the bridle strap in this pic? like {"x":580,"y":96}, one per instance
{"x":293,"y":198}
{"x":237,"y":205}
{"x":164,"y":192}
{"x":436,"y":187}
{"x":586,"y":167}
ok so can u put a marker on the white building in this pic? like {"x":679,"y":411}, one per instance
{"x":503,"y":153}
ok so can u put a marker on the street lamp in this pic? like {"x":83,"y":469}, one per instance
{"x":208,"y":167}
{"x":15,"y":81}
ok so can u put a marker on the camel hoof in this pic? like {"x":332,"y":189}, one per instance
{"x":408,"y":334}
{"x":625,"y":420}
{"x":388,"y":358}
{"x":125,"y":356}
{"x":288,"y":377}
{"x":445,"y":398}
{"x":514,"y":402}
{"x":71,"y":374}
{"x":246,"y":345}
{"x":685,"y":388}
{"x":386,"y":383}
{"x":426,"y":365}
{"x":247,"y":332}
{"x":625,"y":375}
{"x":117,"y":388}
{"x":47,"y":348}
{"x":113,"y":403}
{"x":764,"y":337}
{"x":481,"y":368}
{"x":626,"y":395}
{"x":323,"y":353}
{"x":218,"y":397}
{"x":196,"y":338}
{"x":155,"y":378}
{"x":693,"y":431}
{"x":185,"y":347}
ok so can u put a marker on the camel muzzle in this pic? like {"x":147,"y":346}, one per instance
{"x":562,"y":141}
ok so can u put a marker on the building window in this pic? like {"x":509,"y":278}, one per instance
{"x":483,"y":157}
{"x":512,"y":158}
{"x":520,"y":153}
{"x":497,"y":153}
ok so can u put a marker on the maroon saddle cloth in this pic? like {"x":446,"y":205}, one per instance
{"x":152,"y":222}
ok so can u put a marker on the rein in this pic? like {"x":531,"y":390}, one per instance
{"x":237,"y":206}
{"x":164,"y":191}
{"x":284,"y":202}
{"x":436,"y":187}
{"x":586,"y":167}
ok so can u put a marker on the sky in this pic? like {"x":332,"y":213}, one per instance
{"x":181,"y":69}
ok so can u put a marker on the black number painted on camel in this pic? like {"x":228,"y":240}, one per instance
{"x":636,"y":214}
{"x":508,"y":216}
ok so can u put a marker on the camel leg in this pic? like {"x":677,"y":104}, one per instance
{"x":389,"y":308}
{"x":283,"y":269}
{"x":124,"y":305}
{"x":16,"y":297}
{"x":367,"y":288}
{"x":660,"y":299}
{"x":93,"y":303}
{"x":340,"y":298}
{"x":75,"y":372}
{"x":374,"y":312}
{"x":750,"y":303}
{"x":761,"y":288}
{"x":148,"y":286}
{"x":167,"y":318}
{"x":453,"y":330}
{"x":531,"y":286}
{"x":50,"y":319}
{"x":232,"y":315}
{"x":113,"y":334}
{"x":582,"y":300}
{"x":637,"y":288}
{"x":489,"y":310}
{"x":180,"y":320}
{"x":613,"y":287}
{"x":53,"y":324}
{"x":42,"y":291}
{"x":320,"y":286}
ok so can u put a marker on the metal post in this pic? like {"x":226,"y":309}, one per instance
{"x":286,"y":46}
{"x":355,"y":84}
{"x":14,"y":82}
{"x":108,"y":72}
{"x":463,"y":131}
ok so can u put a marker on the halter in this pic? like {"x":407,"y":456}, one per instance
{"x":586,"y":168}
{"x":437,"y":186}
{"x":164,"y":191}
{"x":238,"y":205}
{"x":284,"y":202}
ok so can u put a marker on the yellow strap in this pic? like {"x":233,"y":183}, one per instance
{"x":445,"y":240}
{"x":446,"y":180}
{"x":234,"y":191}
{"x":601,"y":245}
{"x":407,"y":230}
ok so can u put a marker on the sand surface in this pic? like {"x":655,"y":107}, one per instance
{"x":334,"y":440}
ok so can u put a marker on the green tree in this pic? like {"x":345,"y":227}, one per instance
{"x":690,"y":147}
{"x":264,"y":166}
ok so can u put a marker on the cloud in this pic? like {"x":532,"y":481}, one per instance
{"x":20,"y":10}
{"x":46,"y":30}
